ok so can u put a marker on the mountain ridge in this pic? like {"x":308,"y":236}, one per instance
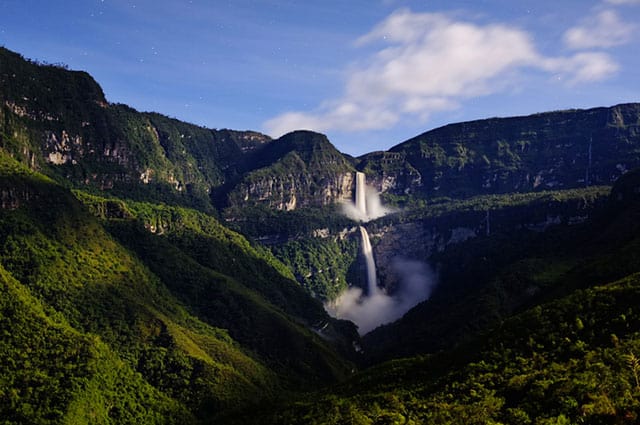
{"x":102,"y":146}
{"x":128,"y":298}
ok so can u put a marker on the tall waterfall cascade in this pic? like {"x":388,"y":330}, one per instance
{"x":366,"y":205}
{"x":370,"y":307}
{"x":363,"y":206}
{"x":361,"y":193}
{"x":367,"y":251}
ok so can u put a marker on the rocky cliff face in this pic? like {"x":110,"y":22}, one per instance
{"x":301,"y":169}
{"x":419,"y":239}
{"x":294,"y":190}
{"x":389,"y":172}
{"x":555,"y":150}
{"x":59,"y":122}
{"x":549,"y":151}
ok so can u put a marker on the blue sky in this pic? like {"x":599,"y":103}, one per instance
{"x":369,"y":74}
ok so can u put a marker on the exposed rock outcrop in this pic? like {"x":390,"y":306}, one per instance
{"x":553,"y":150}
{"x":420,"y":239}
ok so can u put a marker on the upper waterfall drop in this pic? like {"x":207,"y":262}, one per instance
{"x":367,"y":205}
{"x":361,"y":197}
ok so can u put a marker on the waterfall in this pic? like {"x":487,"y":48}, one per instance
{"x":371,"y":307}
{"x":367,"y":251}
{"x":361,"y":197}
{"x":366,"y":205}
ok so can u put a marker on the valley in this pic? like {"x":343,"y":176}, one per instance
{"x":155,"y":271}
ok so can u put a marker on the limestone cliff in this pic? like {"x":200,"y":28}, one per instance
{"x":301,"y":169}
{"x":420,"y":237}
{"x":59,"y":122}
{"x":553,"y":150}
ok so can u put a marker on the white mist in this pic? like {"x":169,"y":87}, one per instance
{"x":367,"y":205}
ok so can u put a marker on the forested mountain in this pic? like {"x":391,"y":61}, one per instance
{"x":155,"y":305}
{"x":552,"y":150}
{"x":154,"y":271}
{"x":59,"y":122}
{"x":569,"y":356}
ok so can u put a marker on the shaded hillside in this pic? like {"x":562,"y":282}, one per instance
{"x":154,"y":308}
{"x":59,"y":122}
{"x":301,"y":169}
{"x":440,"y":229}
{"x":552,"y":150}
{"x":177,"y":241}
{"x":569,"y":356}
{"x":574,"y":360}
{"x":488,"y":278}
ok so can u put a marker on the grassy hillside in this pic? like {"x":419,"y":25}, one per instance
{"x":155,"y":307}
{"x":574,"y":360}
{"x":59,"y":122}
{"x":53,"y":373}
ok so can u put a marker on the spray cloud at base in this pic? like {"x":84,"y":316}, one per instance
{"x":375,"y":307}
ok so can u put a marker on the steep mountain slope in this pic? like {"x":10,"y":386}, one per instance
{"x":574,"y":360}
{"x":52,"y":373}
{"x":485,"y":279}
{"x":159,"y":311}
{"x":186,"y":247}
{"x":570,"y":357}
{"x":154,"y":311}
{"x":553,"y":150}
{"x":301,"y":169}
{"x":59,"y":122}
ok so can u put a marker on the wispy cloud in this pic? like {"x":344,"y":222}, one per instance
{"x":430,"y":62}
{"x":605,"y":29}
{"x":580,"y":68}
{"x":622,"y":2}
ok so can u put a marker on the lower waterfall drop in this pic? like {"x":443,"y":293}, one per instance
{"x":367,"y":251}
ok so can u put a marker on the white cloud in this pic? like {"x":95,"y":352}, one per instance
{"x":603,"y":30}
{"x":429,"y":62}
{"x":581,"y":67}
{"x":621,"y":2}
{"x":343,"y":114}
